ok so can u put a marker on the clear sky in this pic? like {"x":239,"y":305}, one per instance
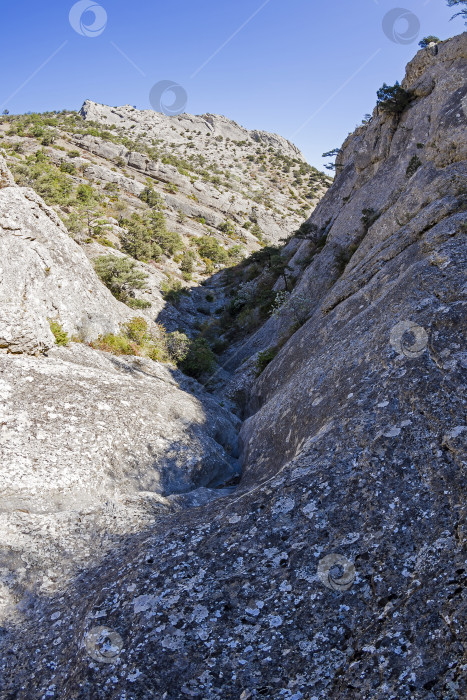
{"x":305,"y":69}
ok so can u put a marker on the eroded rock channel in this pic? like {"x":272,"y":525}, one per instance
{"x":337,"y":567}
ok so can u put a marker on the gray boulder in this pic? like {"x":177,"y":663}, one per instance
{"x":46,"y":276}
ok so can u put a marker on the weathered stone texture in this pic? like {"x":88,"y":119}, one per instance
{"x":337,"y":569}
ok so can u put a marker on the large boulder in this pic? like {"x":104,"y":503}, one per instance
{"x":46,"y":276}
{"x":93,"y":447}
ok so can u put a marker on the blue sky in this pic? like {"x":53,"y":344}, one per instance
{"x":306,"y":69}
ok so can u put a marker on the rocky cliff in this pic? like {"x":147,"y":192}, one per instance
{"x":337,"y":567}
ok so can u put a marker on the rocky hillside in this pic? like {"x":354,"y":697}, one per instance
{"x":176,"y":197}
{"x":208,"y":175}
{"x":337,"y":567}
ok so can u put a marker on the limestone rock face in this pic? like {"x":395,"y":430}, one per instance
{"x":222,"y":145}
{"x":337,"y":568}
{"x":93,"y":447}
{"x":45,"y":275}
{"x":172,"y":128}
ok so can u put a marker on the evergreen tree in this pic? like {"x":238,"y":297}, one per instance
{"x":152,"y":198}
{"x":137,"y":239}
{"x":426,"y":41}
{"x":120,"y":275}
{"x":393,"y":98}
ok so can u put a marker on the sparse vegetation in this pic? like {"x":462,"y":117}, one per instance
{"x":393,"y":98}
{"x":104,"y":212}
{"x":61,"y":337}
{"x":413,"y":166}
{"x":36,"y":171}
{"x":265,"y":358}
{"x":426,"y":41}
{"x":120,"y":275}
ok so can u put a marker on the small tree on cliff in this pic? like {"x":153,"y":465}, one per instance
{"x":426,"y":41}
{"x":393,"y":98}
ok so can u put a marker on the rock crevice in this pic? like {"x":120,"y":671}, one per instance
{"x":337,"y":569}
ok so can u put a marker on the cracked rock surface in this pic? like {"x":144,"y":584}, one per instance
{"x":45,"y":275}
{"x":338,"y":567}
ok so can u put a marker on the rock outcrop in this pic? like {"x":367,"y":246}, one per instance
{"x":92,"y":447}
{"x":222,"y":146}
{"x":338,"y":566}
{"x":45,"y":276}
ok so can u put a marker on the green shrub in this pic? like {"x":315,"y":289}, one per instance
{"x":210,"y":249}
{"x":135,"y":339}
{"x":264,"y":358}
{"x":138,"y":303}
{"x":152,"y":198}
{"x":61,"y":337}
{"x":116,"y":344}
{"x":137,"y":239}
{"x":236,"y":253}
{"x":172,"y":289}
{"x":47,"y":180}
{"x":429,"y":40}
{"x":199,"y":360}
{"x":137,"y":330}
{"x":69,"y":168}
{"x":257,"y":231}
{"x":49,"y":139}
{"x":120,"y":275}
{"x":169,"y":241}
{"x":413,"y":166}
{"x":178,"y":346}
{"x":187,"y":262}
{"x":111,"y":187}
{"x":227,"y":227}
{"x":102,"y":240}
{"x":85,"y":194}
